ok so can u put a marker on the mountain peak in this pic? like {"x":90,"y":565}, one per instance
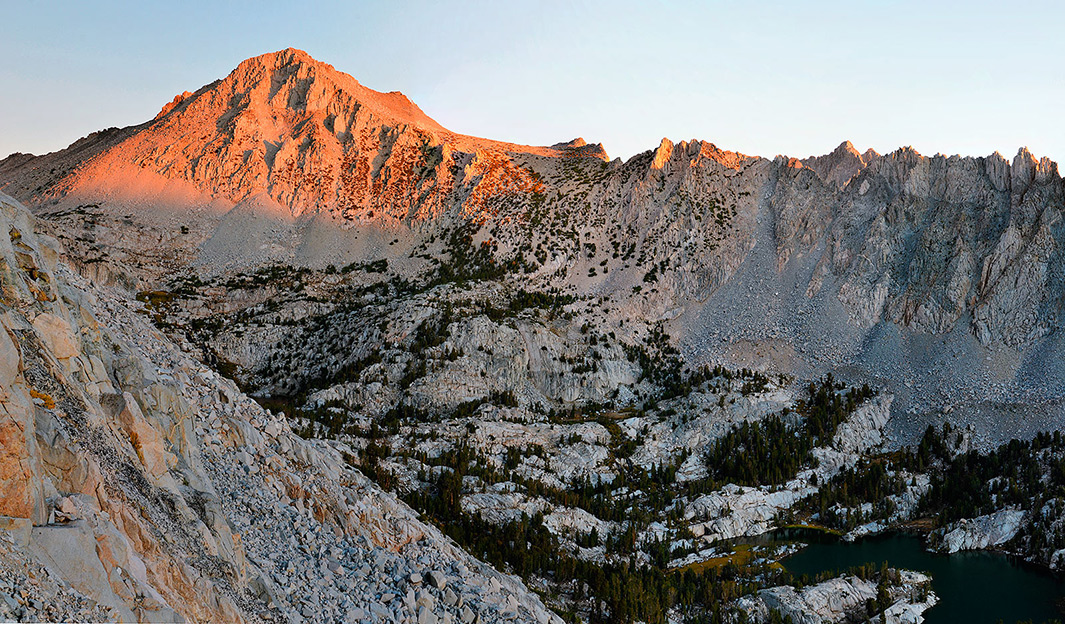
{"x":287,"y":127}
{"x":846,"y":147}
{"x":581,"y":148}
{"x":662,"y":153}
{"x":292,"y":79}
{"x":290,"y":55}
{"x":841,"y":164}
{"x":578,"y":142}
{"x":283,"y":58}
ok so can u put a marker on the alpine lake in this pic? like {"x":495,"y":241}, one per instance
{"x":974,"y":587}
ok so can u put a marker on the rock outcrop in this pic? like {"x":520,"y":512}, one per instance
{"x":843,"y":599}
{"x":737,"y":511}
{"x":981,"y":532}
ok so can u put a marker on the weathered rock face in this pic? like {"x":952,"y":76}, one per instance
{"x":137,"y":485}
{"x":980,"y":533}
{"x":87,"y":482}
{"x":842,"y":599}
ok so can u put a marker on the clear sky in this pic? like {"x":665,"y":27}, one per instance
{"x":765,"y":78}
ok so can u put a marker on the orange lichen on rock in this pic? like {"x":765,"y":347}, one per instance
{"x":46,"y":400}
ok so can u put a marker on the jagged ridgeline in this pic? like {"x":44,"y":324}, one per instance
{"x":595,"y":374}
{"x":873,"y":262}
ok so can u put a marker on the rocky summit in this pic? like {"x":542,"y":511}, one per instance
{"x":293,"y":351}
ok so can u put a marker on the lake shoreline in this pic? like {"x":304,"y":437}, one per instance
{"x":916,"y":528}
{"x":971,"y":584}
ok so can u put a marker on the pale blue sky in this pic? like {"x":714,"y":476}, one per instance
{"x":763,"y":78}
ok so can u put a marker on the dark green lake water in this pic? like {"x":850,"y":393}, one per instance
{"x":972,"y":587}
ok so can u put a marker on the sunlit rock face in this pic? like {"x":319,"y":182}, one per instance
{"x":308,"y":137}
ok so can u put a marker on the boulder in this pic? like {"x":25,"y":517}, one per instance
{"x":57,"y":335}
{"x":146,"y":440}
{"x":983,"y":531}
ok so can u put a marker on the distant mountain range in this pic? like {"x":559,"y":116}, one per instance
{"x":826,"y":259}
